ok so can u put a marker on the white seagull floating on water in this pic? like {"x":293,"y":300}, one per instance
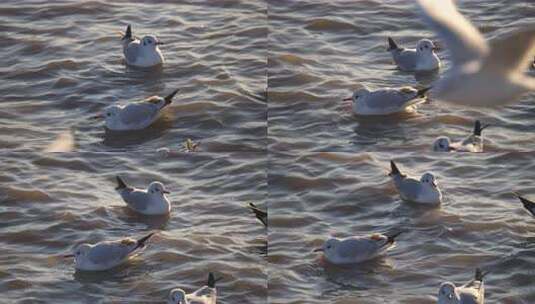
{"x":356,"y":249}
{"x":135,"y":115}
{"x":472,"y":143}
{"x":106,"y":255}
{"x":420,"y":59}
{"x":386,"y":101}
{"x":483,"y":73}
{"x":423,"y":191}
{"x":141,"y":53}
{"x":472,"y":292}
{"x":205,"y":295}
{"x":150,"y":201}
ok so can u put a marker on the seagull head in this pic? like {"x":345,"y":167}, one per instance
{"x":425,"y":46}
{"x":329,"y":247}
{"x":429,"y":179}
{"x":157,"y":188}
{"x":447,"y":294}
{"x":150,"y":42}
{"x":111,"y":112}
{"x":79,"y":252}
{"x":442,"y":144}
{"x":177,"y":296}
{"x":360,"y":93}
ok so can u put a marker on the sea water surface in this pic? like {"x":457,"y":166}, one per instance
{"x":480,"y":224}
{"x":321,"y":51}
{"x":50,"y":203}
{"x":61,"y":63}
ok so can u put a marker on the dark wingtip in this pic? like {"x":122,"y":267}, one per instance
{"x":260,"y":214}
{"x":392,"y":238}
{"x":169,"y":98}
{"x":128,"y":32}
{"x":479,"y":275}
{"x":529,"y":205}
{"x":421,"y":92}
{"x":141,"y":241}
{"x":120,"y":183}
{"x":211,"y":280}
{"x":478,"y":128}
{"x":392,"y":44}
{"x":394,"y":169}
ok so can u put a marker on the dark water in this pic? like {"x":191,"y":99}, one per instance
{"x":480,"y":223}
{"x":49,"y":203}
{"x":321,"y":52}
{"x":62,"y":63}
{"x":261,"y":84}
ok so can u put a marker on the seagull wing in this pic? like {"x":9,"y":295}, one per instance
{"x":513,"y":52}
{"x":138,"y":112}
{"x":464,"y":41}
{"x":109,"y":253}
{"x":136,"y":199}
{"x":131,"y":51}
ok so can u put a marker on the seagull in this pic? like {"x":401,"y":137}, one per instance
{"x":135,"y":115}
{"x":423,"y":191}
{"x":386,"y":101}
{"x":472,"y":292}
{"x":141,"y":53}
{"x":149,"y":202}
{"x":483,"y":73}
{"x":420,"y":59}
{"x":260,"y":214}
{"x":473,"y":143}
{"x":205,"y":295}
{"x":529,"y":205}
{"x":356,"y":249}
{"x":107,"y":254}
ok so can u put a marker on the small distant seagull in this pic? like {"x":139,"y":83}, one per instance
{"x":106,"y":255}
{"x":386,"y":101}
{"x":205,"y":295}
{"x":260,"y":214}
{"x":472,"y":292}
{"x":152,"y":201}
{"x":420,"y":59}
{"x":135,"y":115}
{"x":483,"y":73}
{"x":473,"y":143}
{"x":141,"y":53}
{"x":529,"y":205}
{"x":423,"y":191}
{"x":356,"y":249}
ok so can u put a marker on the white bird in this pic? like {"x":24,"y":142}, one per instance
{"x":106,"y":255}
{"x":205,"y":295}
{"x":151,"y":201}
{"x":386,"y":101}
{"x":261,"y":215}
{"x":135,"y":115}
{"x":356,"y":249}
{"x":472,"y":143}
{"x":141,"y":53}
{"x":472,"y":292}
{"x":483,"y":73}
{"x":420,"y":59}
{"x":529,"y":205}
{"x":423,"y":191}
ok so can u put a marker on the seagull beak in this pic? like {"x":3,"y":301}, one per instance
{"x":347,"y":99}
{"x":68,"y":256}
{"x":98,"y":116}
{"x":159,"y":42}
{"x":318,"y":250}
{"x":166,"y":192}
